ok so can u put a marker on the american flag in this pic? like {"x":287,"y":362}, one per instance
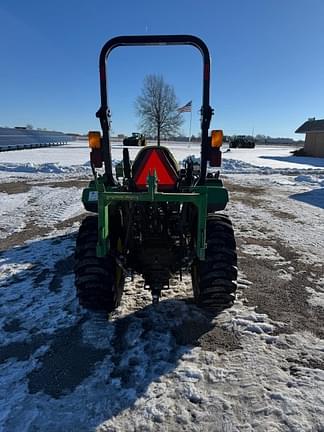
{"x":185,"y":108}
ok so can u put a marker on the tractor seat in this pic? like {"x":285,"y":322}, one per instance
{"x":160,"y":160}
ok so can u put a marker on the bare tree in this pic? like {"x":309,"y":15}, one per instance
{"x":157,"y":108}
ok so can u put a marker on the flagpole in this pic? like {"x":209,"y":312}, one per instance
{"x":190,"y":123}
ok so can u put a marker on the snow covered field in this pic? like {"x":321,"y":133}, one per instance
{"x":256,"y":367}
{"x":73,"y":159}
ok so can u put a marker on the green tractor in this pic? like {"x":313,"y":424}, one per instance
{"x":154,"y":218}
{"x":136,"y":139}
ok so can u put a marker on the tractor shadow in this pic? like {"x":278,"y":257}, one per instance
{"x":303,"y":160}
{"x":82,"y":359}
{"x":114,"y":362}
{"x":314,"y":197}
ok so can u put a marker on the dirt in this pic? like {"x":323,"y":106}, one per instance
{"x":250,"y":190}
{"x":31,"y":231}
{"x":255,"y":197}
{"x":206,"y":335}
{"x":15,"y":187}
{"x":63,"y":184}
{"x":25,"y":186}
{"x":282,"y":214}
{"x":69,"y":222}
{"x":282,"y":299}
{"x":218,"y":339}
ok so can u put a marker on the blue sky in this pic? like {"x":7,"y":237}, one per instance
{"x":267,"y":61}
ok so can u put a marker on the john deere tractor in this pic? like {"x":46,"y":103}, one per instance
{"x":136,"y":139}
{"x":154,"y":218}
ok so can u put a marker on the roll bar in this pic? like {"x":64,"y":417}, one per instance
{"x":104,"y":113}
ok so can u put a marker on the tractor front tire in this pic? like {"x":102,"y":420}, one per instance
{"x":99,"y":281}
{"x":214,"y":280}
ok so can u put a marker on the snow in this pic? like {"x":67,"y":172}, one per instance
{"x":316,"y":295}
{"x":279,"y":157}
{"x":74,"y":157}
{"x":9,"y":211}
{"x":297,"y":221}
{"x":166,"y":367}
{"x":50,"y":168}
{"x":44,"y":205}
{"x":143,"y":379}
{"x":311,"y":179}
{"x":264,"y":252}
{"x":75,"y":153}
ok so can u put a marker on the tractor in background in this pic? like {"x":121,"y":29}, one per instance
{"x":242,"y":141}
{"x":136,"y":139}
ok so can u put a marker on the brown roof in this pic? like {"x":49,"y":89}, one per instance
{"x":311,"y":126}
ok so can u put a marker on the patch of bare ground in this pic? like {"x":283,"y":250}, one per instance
{"x":251,"y":190}
{"x":281,"y":214}
{"x":246,"y":199}
{"x":15,"y":187}
{"x":18,"y":238}
{"x":31,"y":231}
{"x":252,"y":196}
{"x":69,"y":222}
{"x":260,"y":202}
{"x":63,"y":184}
{"x":282,"y":299}
{"x":206,"y":335}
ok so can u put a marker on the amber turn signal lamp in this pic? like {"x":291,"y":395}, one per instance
{"x":216,"y":138}
{"x":94,"y":139}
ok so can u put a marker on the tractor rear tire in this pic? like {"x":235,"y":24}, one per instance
{"x":214,"y":280}
{"x":99,"y":281}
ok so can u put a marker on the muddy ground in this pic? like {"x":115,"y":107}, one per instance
{"x":282,"y":299}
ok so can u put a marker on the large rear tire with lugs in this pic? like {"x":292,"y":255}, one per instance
{"x":99,"y":281}
{"x":214,"y":280}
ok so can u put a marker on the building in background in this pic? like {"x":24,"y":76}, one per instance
{"x":314,"y":141}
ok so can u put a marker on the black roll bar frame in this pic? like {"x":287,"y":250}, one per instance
{"x":104,"y":113}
